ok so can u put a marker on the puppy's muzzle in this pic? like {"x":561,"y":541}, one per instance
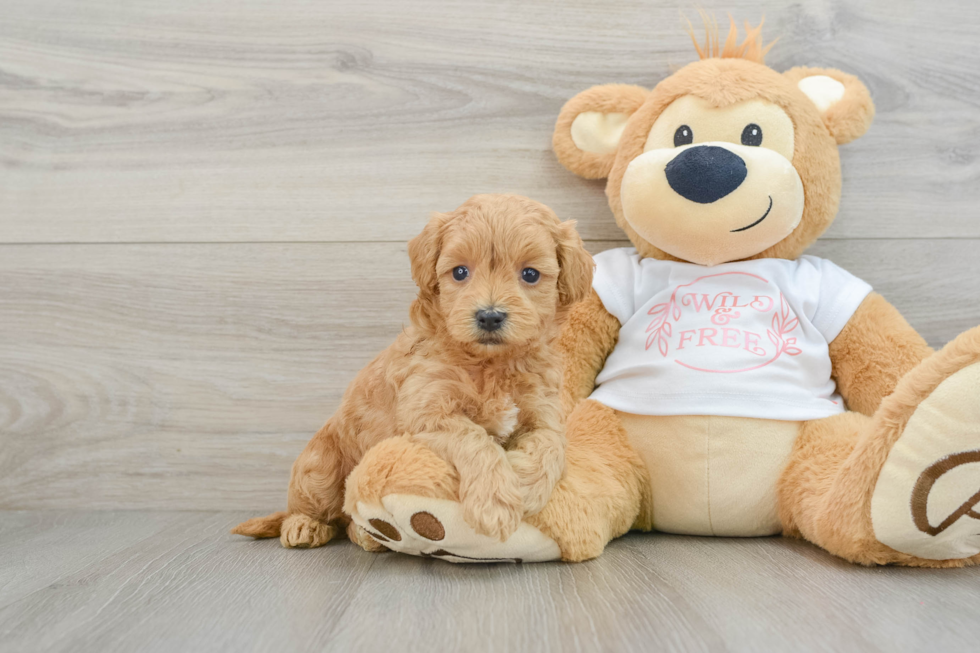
{"x":490,"y":320}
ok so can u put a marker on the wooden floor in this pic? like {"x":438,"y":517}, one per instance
{"x":203,"y":213}
{"x":175,"y":581}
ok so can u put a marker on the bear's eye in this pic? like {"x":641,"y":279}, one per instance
{"x":752,"y":134}
{"x":460,"y":272}
{"x":683,"y":136}
{"x":530,"y":275}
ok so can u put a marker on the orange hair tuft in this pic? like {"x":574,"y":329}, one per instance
{"x":751,"y":48}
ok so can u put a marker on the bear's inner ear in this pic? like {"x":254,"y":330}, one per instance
{"x":823,"y":91}
{"x":590,"y":126}
{"x":598,"y":133}
{"x":842,"y":101}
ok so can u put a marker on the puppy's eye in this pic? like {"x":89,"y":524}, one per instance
{"x":460,"y":272}
{"x":683,"y":136}
{"x":752,"y":134}
{"x":530,"y":275}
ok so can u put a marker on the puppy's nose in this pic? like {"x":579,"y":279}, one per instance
{"x":706,"y":173}
{"x":490,"y":319}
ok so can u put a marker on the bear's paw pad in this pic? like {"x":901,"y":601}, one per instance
{"x":926,"y":501}
{"x":434,"y":528}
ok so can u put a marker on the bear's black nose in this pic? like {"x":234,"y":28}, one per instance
{"x":705,"y":173}
{"x":490,"y":320}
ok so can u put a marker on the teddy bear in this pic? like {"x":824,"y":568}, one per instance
{"x":718,"y":380}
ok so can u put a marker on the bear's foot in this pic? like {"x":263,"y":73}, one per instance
{"x":434,"y":528}
{"x":926,"y":501}
{"x":405,"y":497}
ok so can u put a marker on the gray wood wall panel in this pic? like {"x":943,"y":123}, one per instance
{"x":203,"y":206}
{"x":189,"y":376}
{"x":306,"y":120}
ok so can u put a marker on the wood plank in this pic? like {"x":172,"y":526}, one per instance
{"x":324,"y":121}
{"x":190,"y":376}
{"x":38,"y":550}
{"x":166,"y":372}
{"x":177,"y":581}
{"x":175,"y":589}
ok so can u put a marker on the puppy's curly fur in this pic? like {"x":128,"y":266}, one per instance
{"x":486,"y":401}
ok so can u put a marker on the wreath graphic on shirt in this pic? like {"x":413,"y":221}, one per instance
{"x":660,"y":329}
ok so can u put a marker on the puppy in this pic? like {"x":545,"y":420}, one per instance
{"x":474,"y":377}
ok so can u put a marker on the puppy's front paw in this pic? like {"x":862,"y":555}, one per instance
{"x":535,"y":485}
{"x":302,"y":532}
{"x":363,"y":539}
{"x":494,"y":509}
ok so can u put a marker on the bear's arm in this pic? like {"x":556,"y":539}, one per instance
{"x":587,"y":338}
{"x":873,"y":351}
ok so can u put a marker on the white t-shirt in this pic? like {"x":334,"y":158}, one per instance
{"x":745,"y":339}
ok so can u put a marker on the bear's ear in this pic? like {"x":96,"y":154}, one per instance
{"x":841,"y":99}
{"x":589,"y":127}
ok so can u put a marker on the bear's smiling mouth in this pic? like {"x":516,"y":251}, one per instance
{"x":764,"y":216}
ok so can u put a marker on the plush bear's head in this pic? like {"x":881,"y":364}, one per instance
{"x":724,"y":160}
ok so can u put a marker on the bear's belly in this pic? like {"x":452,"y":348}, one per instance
{"x":712,"y":475}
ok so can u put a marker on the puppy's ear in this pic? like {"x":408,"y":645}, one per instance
{"x":590,"y":125}
{"x":577,"y":266}
{"x":423,"y":252}
{"x":842,"y":100}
